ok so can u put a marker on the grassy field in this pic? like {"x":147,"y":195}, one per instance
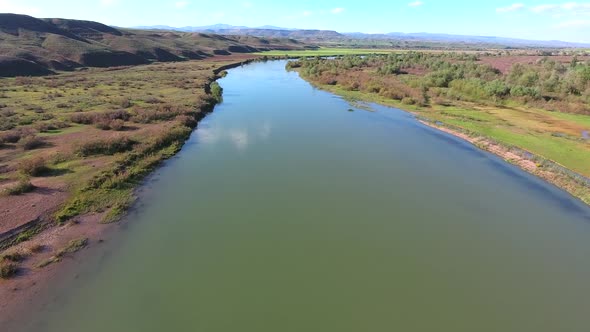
{"x":327,"y":52}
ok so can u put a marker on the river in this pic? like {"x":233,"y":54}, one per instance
{"x":290,"y":209}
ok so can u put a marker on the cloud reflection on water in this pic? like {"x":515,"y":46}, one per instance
{"x":241,"y":138}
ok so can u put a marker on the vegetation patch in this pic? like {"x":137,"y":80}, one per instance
{"x":15,"y":257}
{"x":23,"y":186}
{"x":108,"y":146}
{"x":35,"y":166}
{"x":72,"y":247}
{"x":31,"y":142}
{"x":8,"y":270}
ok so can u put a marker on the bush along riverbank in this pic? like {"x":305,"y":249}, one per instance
{"x":546,"y":143}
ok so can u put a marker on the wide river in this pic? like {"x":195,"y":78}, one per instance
{"x":290,"y":209}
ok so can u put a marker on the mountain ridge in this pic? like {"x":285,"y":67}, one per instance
{"x":394,"y":36}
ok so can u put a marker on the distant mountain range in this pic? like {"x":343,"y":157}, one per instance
{"x":266,"y":31}
{"x":441,"y":37}
{"x":325,"y":35}
{"x":213,"y":27}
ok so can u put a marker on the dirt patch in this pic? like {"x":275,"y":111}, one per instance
{"x":18,"y":210}
{"x":17,"y":294}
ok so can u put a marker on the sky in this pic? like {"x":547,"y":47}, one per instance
{"x":539,"y":20}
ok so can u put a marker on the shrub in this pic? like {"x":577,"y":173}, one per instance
{"x":408,"y":101}
{"x":497,"y":88}
{"x":14,"y":257}
{"x":8,"y":270}
{"x":48,"y":126}
{"x":23,"y":186}
{"x":35,"y":166}
{"x":522,"y":91}
{"x":162,"y":113}
{"x":117,"y":115}
{"x":12,"y":136}
{"x":106,"y":146}
{"x":125,"y":103}
{"x":187,"y":120}
{"x":104,"y":121}
{"x":104,"y":124}
{"x":117,"y":124}
{"x":31,"y":142}
{"x":37,"y":248}
{"x":217,"y":92}
{"x":83,"y":118}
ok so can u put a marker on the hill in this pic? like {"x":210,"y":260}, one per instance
{"x":266,"y":31}
{"x":31,"y":46}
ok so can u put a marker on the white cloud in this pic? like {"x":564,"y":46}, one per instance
{"x":240,"y":139}
{"x":307,"y":13}
{"x":511,"y":8}
{"x":573,"y":24}
{"x":181,"y":4}
{"x":7,"y":6}
{"x":544,"y":8}
{"x":416,"y":4}
{"x":571,"y":7}
{"x":556,"y":10}
{"x":337,"y":10}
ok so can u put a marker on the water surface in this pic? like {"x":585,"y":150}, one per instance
{"x":287,"y":212}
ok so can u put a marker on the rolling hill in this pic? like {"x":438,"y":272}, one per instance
{"x":31,"y":46}
{"x":266,"y":31}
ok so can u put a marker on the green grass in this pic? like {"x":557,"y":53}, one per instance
{"x":326,"y":52}
{"x":75,"y":128}
{"x":569,"y":153}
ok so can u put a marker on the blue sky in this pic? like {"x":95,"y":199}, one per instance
{"x":543,"y":20}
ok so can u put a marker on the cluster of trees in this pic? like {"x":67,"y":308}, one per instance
{"x":418,"y":77}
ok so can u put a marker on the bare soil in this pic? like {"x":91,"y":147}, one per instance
{"x":18,"y":294}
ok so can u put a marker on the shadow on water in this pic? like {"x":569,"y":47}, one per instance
{"x":564,"y":200}
{"x":543,"y":189}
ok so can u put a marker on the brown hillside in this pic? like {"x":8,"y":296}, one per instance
{"x":32,"y":47}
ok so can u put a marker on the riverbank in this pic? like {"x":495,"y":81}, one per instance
{"x":89,"y":173}
{"x":576,"y":184}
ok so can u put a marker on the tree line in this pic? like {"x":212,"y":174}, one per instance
{"x":423,"y":78}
